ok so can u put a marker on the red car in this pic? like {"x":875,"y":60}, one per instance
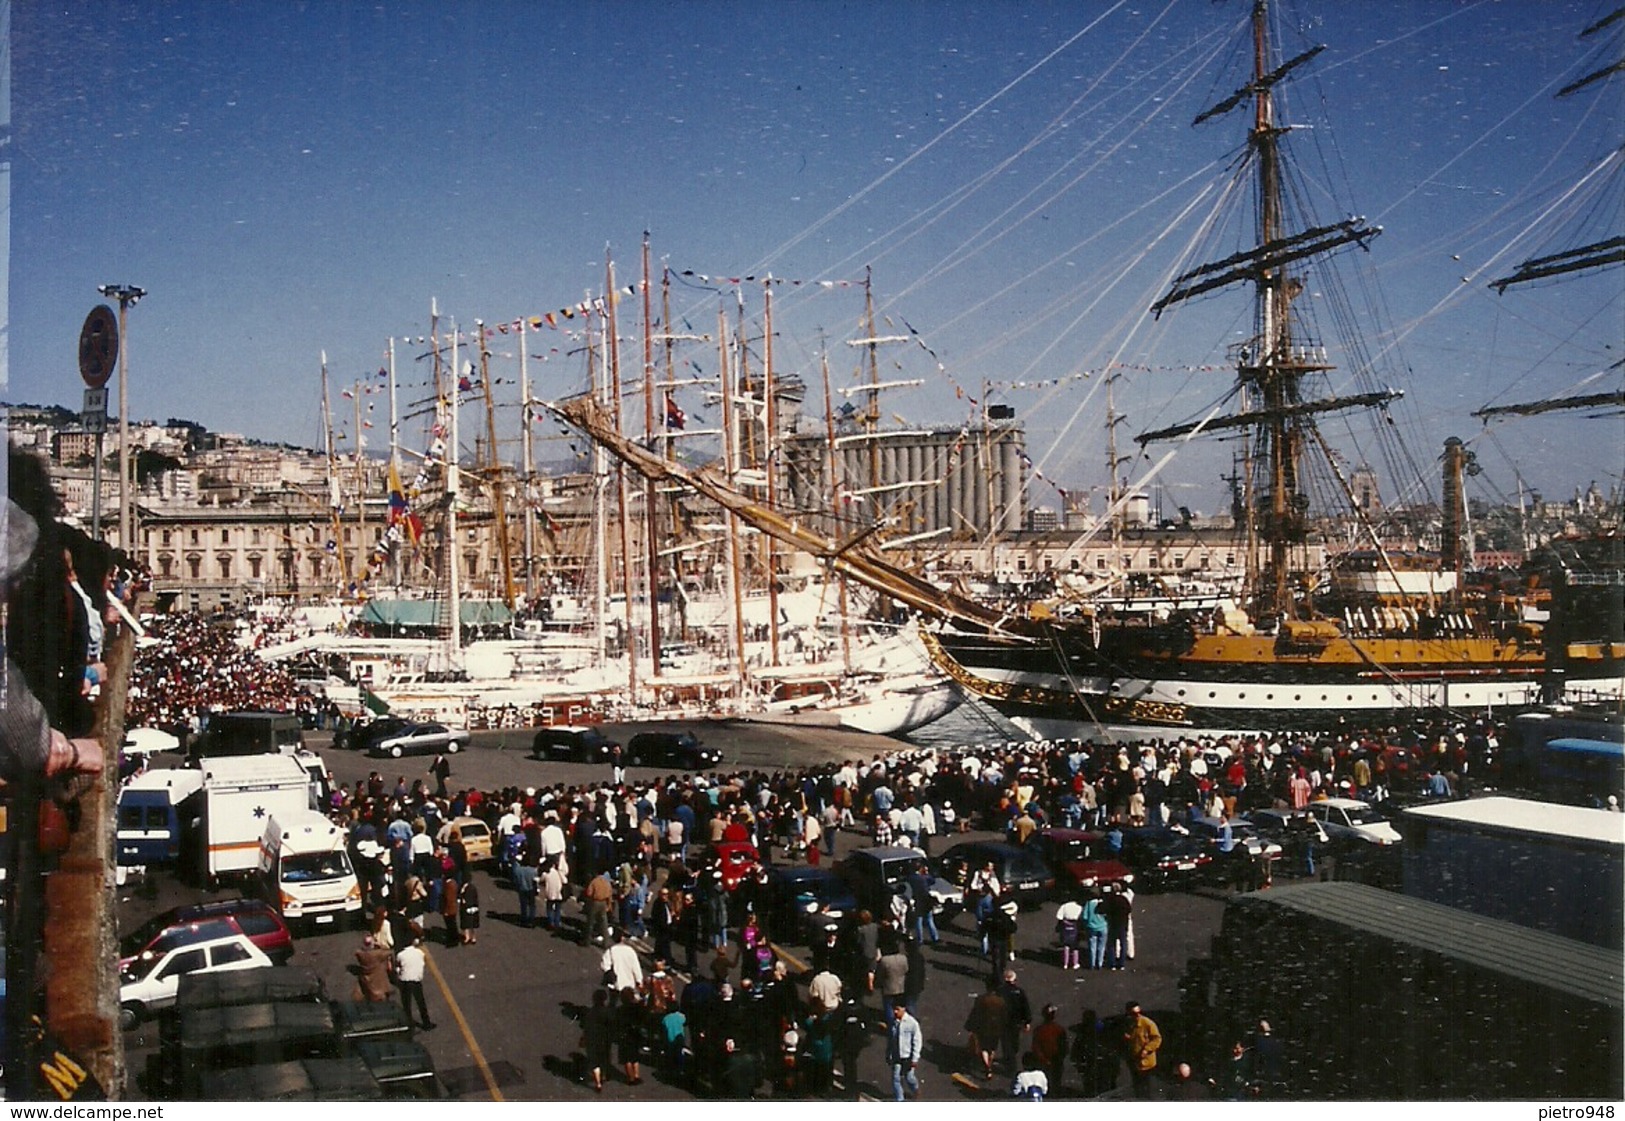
{"x":200,"y":922}
{"x":1079,"y":858}
{"x":736,"y":860}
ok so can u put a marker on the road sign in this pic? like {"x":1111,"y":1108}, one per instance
{"x":94,"y":414}
{"x":98,"y":346}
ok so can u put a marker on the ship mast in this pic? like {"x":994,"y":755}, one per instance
{"x":651,"y":498}
{"x":769,"y":455}
{"x":1114,"y":485}
{"x":600,"y":479}
{"x":1272,"y":365}
{"x":499,"y":505}
{"x":527,"y":458}
{"x":335,"y":505}
{"x":622,"y":500}
{"x":835,"y":489}
{"x":730,"y":520}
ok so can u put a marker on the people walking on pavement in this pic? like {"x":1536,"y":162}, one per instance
{"x":597,"y":897}
{"x":469,"y":912}
{"x":1117,"y":910}
{"x":1093,"y":922}
{"x":1069,"y":932}
{"x":905,"y":1043}
{"x":1049,"y":1048}
{"x":1018,"y":1013}
{"x":1031,"y":1083}
{"x":620,"y":965}
{"x":1141,"y":1041}
{"x":598,"y":1036}
{"x":410,"y":965}
{"x":986,"y":1026}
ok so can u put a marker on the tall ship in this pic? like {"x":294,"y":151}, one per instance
{"x":1303,"y":643}
{"x":1373,"y":632}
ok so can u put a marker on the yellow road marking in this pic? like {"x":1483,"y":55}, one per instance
{"x":462,"y":1026}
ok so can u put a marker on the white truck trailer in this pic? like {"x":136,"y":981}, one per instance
{"x":240,"y":796}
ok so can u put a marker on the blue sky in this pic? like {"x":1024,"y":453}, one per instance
{"x":287,"y":179}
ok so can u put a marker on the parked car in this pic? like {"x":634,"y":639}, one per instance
{"x":1080,"y":859}
{"x":682,"y":750}
{"x":361,"y":737}
{"x":200,"y":922}
{"x":1293,"y":830}
{"x":878,"y":872}
{"x":737,"y":861}
{"x":1351,"y":820}
{"x":580,"y":744}
{"x":421,"y":739}
{"x":476,"y":835}
{"x":149,"y":983}
{"x":1164,"y":858}
{"x":1242,"y":832}
{"x":803,"y":902}
{"x":1024,"y":873}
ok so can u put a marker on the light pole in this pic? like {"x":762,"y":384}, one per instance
{"x":126,"y":295}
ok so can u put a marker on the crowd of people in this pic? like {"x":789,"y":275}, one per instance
{"x":193,"y":667}
{"x":714,"y":1008}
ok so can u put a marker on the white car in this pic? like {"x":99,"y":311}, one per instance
{"x":149,"y":983}
{"x":1349,"y":819}
{"x":421,"y":739}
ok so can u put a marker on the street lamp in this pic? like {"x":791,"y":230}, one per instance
{"x":126,"y":295}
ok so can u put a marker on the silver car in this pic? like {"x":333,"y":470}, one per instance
{"x":421,"y":739}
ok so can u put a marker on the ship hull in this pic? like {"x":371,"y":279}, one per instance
{"x":1066,"y":679}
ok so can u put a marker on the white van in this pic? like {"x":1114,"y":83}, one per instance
{"x":305,"y":869}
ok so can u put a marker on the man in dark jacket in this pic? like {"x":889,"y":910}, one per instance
{"x":1018,"y":1011}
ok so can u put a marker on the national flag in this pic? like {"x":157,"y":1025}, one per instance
{"x":397,"y":496}
{"x":373,"y":703}
{"x":464,"y":385}
{"x":675,"y":417}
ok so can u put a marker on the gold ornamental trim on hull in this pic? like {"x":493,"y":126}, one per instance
{"x":1036,"y":696}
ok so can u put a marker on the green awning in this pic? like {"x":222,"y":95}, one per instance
{"x":418,"y":614}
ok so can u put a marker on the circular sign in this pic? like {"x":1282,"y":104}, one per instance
{"x":98,"y":346}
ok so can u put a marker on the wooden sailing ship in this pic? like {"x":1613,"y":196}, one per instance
{"x":1295,"y":649}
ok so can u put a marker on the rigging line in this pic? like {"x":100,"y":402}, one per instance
{"x":1139,"y":317}
{"x":891,"y":241}
{"x":1539,"y":326}
{"x":972,"y":245}
{"x":1430,"y":179}
{"x":1202,"y":233}
{"x":1394,"y":40}
{"x":964,"y":119}
{"x":1492,"y":263}
{"x":1140,"y":484}
{"x":1061,"y":299}
{"x":1072,"y":682}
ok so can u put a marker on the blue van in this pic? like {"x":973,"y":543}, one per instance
{"x":156,"y":810}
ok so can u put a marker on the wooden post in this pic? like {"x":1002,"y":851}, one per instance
{"x":81,"y":943}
